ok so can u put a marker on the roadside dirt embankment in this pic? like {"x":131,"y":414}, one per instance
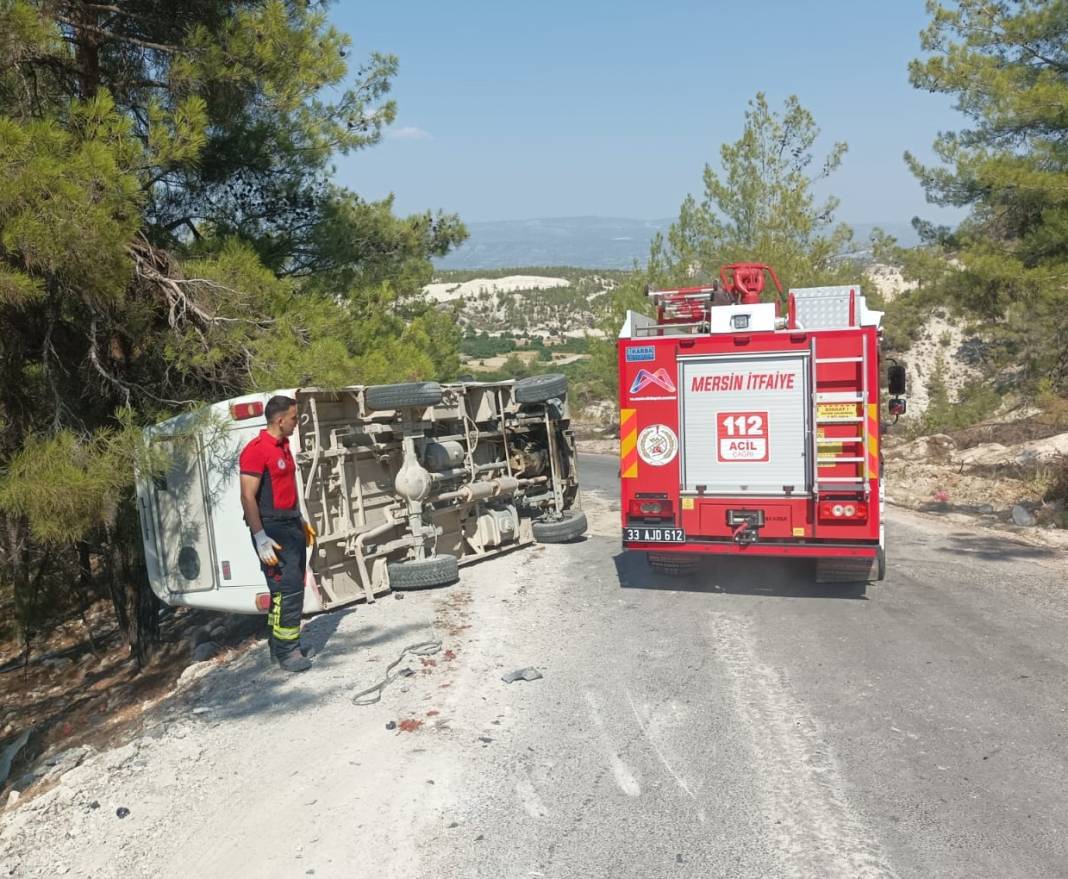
{"x":1006,"y":474}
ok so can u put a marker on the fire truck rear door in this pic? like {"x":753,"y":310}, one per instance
{"x":745,"y":424}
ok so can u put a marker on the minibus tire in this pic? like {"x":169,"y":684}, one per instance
{"x":564,"y":530}
{"x":416,"y":394}
{"x":541,"y":388}
{"x":438,"y":570}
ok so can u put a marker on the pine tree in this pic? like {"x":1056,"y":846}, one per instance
{"x":761,"y":207}
{"x":1006,"y":63}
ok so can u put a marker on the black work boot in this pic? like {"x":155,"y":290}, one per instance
{"x":306,"y":652}
{"x":294,"y":662}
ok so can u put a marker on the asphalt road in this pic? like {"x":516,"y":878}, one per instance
{"x":738,"y":723}
{"x":745,"y":722}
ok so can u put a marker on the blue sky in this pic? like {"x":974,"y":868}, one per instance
{"x":551,"y":109}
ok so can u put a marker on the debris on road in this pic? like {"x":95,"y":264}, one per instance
{"x":374,"y":694}
{"x":523,"y":674}
{"x":409,"y":725}
{"x":392,"y":725}
{"x":122,"y":812}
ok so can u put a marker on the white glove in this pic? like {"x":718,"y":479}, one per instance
{"x":265,"y":548}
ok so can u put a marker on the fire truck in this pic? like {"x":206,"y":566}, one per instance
{"x":752,"y":428}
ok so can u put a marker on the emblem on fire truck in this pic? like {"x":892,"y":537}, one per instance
{"x":660,"y":379}
{"x":658,"y":445}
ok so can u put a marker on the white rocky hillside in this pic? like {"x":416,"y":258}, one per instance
{"x":942,"y":349}
{"x":537,"y":305}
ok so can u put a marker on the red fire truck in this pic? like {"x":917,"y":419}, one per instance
{"x":752,"y":428}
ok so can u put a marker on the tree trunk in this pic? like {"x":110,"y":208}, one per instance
{"x":136,"y":605}
{"x":85,"y":587}
{"x":86,"y":50}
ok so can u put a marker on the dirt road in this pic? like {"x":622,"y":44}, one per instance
{"x":741,"y":723}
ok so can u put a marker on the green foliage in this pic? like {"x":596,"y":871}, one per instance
{"x":1054,"y":405}
{"x":67,"y":487}
{"x":484,"y":345}
{"x":976,"y":401}
{"x":1007,"y":66}
{"x":69,"y":202}
{"x":906,"y":318}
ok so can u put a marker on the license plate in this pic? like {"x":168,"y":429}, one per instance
{"x":652,"y":534}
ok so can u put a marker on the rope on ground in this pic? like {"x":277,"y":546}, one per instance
{"x":374,"y":694}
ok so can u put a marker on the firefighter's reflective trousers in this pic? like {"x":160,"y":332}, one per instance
{"x":286,"y":583}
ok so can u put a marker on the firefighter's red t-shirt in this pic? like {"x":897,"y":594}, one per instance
{"x":269,"y":458}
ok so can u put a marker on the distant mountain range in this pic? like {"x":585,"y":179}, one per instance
{"x":587,"y":242}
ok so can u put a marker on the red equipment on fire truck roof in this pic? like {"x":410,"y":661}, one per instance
{"x":750,"y":428}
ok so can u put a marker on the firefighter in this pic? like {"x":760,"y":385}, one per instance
{"x":279,"y":533}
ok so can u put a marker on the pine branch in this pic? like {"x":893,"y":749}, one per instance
{"x":111,"y":35}
{"x":94,"y":359}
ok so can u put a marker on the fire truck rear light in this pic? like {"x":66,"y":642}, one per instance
{"x":853,"y":510}
{"x":242,"y":411}
{"x":263,"y":601}
{"x":661,"y":509}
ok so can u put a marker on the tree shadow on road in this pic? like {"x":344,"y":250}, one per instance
{"x":991,"y":548}
{"x":778,"y":578}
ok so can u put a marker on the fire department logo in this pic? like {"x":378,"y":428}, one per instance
{"x":658,"y":445}
{"x":660,"y":378}
{"x":281,"y":463}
